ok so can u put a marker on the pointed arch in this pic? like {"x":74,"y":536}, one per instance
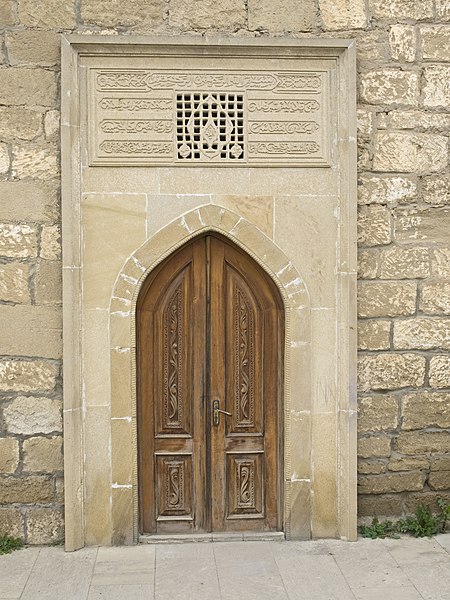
{"x":288,"y":280}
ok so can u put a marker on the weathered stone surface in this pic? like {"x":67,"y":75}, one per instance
{"x":412,"y":153}
{"x":7,"y":13}
{"x":11,"y":520}
{"x":365,"y":122}
{"x":374,"y":225}
{"x":27,"y":376}
{"x":407,"y":464}
{"x":5,"y":161}
{"x":440,"y":463}
{"x":436,"y":189}
{"x":419,"y":226}
{"x":59,"y":490}
{"x":422,"y":442}
{"x":31,"y":331}
{"x":404,"y":263}
{"x":440,"y":371}
{"x":17,"y":241}
{"x":390,"y":371}
{"x":374,"y":447}
{"x":371,"y":467}
{"x":124,"y":13}
{"x":422,"y":333}
{"x":429,"y":499}
{"x":33,"y":47}
{"x":426,"y":409}
{"x":363,"y":156}
{"x":53,"y":14}
{"x":390,"y":86}
{"x":342,"y":14}
{"x":377,"y":413}
{"x":29,"y":415}
{"x":51,"y":242}
{"x":34,"y":201}
{"x":443,"y":9}
{"x":37,"y":162}
{"x":45,"y":525}
{"x":367,"y":264}
{"x":439,"y":480}
{"x":390,"y":483}
{"x":418,"y":120}
{"x":43,"y":454}
{"x":375,"y":189}
{"x":380,"y":506}
{"x":373,"y":46}
{"x":435,"y":298}
{"x":402,"y":40}
{"x":409,"y":9}
{"x":26,"y":490}
{"x":16,"y":122}
{"x":278,"y":16}
{"x":189,"y":14}
{"x":374,"y":335}
{"x":9,"y":454}
{"x":440,"y":262}
{"x":51,"y":124}
{"x":23,"y":86}
{"x":386,"y":299}
{"x":48,"y":283}
{"x":435,"y":42}
{"x":436,"y":88}
{"x":14,"y":282}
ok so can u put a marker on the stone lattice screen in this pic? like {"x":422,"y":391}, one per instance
{"x":404,"y":233}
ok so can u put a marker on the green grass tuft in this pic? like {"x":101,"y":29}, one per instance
{"x":423,"y":524}
{"x":8,"y":544}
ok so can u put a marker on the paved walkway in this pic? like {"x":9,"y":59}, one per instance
{"x":405,"y":569}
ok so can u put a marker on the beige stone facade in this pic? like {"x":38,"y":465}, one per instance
{"x":404,"y":241}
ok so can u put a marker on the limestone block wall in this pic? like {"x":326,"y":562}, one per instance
{"x":404,"y":232}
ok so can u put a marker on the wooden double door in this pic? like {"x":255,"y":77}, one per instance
{"x":210,"y":355}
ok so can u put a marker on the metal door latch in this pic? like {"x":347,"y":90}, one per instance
{"x":217,"y":411}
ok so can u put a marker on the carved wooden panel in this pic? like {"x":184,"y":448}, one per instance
{"x":245,"y":485}
{"x":208,"y":330}
{"x":243,"y":338}
{"x":209,"y":116}
{"x":174,"y":481}
{"x":173,"y":319}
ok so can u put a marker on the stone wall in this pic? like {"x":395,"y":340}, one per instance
{"x":404,"y":260}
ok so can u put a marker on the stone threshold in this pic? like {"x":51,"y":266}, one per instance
{"x":244,"y":536}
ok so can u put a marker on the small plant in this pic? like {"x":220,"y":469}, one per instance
{"x":9,"y":543}
{"x":424,"y":523}
{"x":445,"y":513}
{"x":378,"y":529}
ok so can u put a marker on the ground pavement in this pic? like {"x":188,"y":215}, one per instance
{"x":404,"y":569}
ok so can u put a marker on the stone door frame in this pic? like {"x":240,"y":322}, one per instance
{"x":122,"y":513}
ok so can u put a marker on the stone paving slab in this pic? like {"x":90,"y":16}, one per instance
{"x":403,"y":569}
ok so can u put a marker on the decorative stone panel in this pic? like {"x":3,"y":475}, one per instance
{"x":198,"y":115}
{"x":153,"y":126}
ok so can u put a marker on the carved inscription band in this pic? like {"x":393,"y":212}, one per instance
{"x":210,"y":117}
{"x":147,"y":80}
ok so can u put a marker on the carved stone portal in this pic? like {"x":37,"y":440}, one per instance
{"x":166,"y":139}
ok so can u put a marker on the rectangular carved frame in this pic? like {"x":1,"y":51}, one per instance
{"x":333,"y":145}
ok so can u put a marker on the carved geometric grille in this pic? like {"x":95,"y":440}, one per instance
{"x":210,"y":125}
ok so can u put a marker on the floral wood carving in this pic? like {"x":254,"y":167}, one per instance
{"x":173,"y":347}
{"x":174,"y":485}
{"x":243,"y":360}
{"x":245,"y":484}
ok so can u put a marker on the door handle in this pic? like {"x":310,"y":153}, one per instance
{"x":217,"y":411}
